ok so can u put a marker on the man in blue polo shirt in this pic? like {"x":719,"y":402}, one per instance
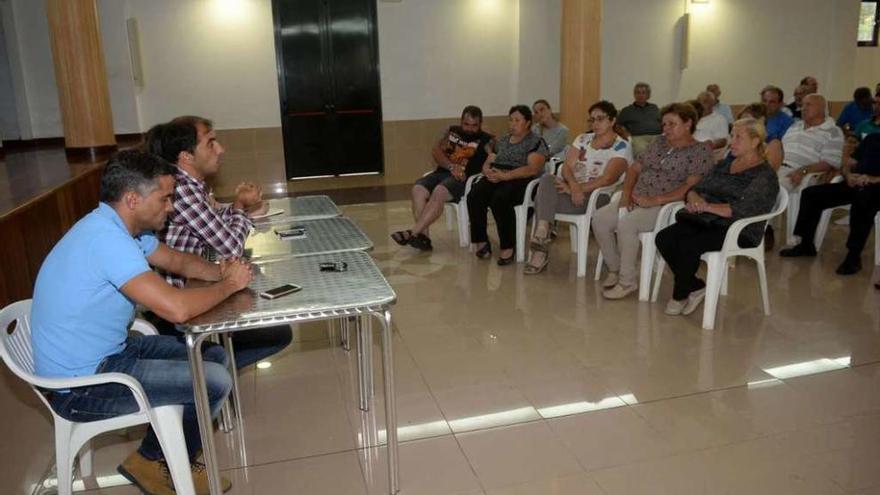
{"x":84,"y":301}
{"x":778,"y":121}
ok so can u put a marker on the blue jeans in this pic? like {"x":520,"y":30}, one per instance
{"x":161,"y":365}
{"x":251,"y":346}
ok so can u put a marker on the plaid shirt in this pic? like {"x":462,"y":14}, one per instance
{"x":195,"y":225}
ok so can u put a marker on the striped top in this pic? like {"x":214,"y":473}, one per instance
{"x":819,"y":143}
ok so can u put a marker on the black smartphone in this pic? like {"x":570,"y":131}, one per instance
{"x":279,"y":291}
{"x":291,"y":234}
{"x":333,"y":266}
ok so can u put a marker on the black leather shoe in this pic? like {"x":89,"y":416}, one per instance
{"x":506,"y":261}
{"x":798,"y":251}
{"x":484,"y":252}
{"x":850,"y":266}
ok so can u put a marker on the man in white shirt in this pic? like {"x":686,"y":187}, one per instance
{"x":720,"y":108}
{"x":712,"y":128}
{"x":814,"y":144}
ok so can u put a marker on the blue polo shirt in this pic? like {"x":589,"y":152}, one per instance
{"x":777,"y":125}
{"x":852,"y":115}
{"x":79,"y":316}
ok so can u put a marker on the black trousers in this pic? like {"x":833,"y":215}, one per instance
{"x":501,"y":197}
{"x":865,"y":205}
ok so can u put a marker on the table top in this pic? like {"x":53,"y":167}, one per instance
{"x":327,"y":235}
{"x":300,"y":208}
{"x":323,"y":294}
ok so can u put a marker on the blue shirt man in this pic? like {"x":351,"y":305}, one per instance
{"x":84,"y":300}
{"x":79,"y":315}
{"x":777,"y":125}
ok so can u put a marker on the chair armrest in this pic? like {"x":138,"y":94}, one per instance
{"x":667,"y":213}
{"x":143,"y":327}
{"x":594,"y":197}
{"x":808,"y":180}
{"x":470,"y":182}
{"x":99,"y":379}
{"x":530,"y":192}
{"x":731,"y":239}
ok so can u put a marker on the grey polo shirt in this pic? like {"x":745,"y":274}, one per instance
{"x":640,"y":121}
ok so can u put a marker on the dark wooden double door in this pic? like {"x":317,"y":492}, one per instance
{"x":328,"y":76}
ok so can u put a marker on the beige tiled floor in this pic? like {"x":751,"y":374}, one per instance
{"x":536,"y":385}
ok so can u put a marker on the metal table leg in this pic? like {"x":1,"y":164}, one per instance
{"x":203,"y":409}
{"x":390,"y":403}
{"x":234,"y":399}
{"x":365,"y":361}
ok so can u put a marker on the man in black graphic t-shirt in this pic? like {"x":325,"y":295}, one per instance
{"x":459,"y":154}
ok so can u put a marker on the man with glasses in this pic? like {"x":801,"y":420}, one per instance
{"x":778,"y":121}
{"x":871,"y":125}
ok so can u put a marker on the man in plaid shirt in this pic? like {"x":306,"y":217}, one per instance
{"x":198,"y":223}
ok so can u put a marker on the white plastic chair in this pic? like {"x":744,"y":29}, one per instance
{"x":460,"y":211}
{"x":71,"y":437}
{"x":522,"y":218}
{"x":717,"y":261}
{"x":579,"y":230}
{"x":648,"y":263}
{"x":794,"y":204}
{"x":877,"y":239}
{"x":825,"y":219}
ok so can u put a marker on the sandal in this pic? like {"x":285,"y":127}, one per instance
{"x":421,"y":242}
{"x":532,"y":269}
{"x":402,"y":237}
{"x":484,"y":252}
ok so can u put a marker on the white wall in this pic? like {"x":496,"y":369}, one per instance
{"x":117,"y":61}
{"x":208,"y":57}
{"x":437,"y":57}
{"x":26,"y":31}
{"x":540,"y":40}
{"x":740,"y":44}
{"x":8,"y":111}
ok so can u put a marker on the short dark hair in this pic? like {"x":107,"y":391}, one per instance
{"x":685,"y":112}
{"x":698,"y":107}
{"x":132,"y":170}
{"x":193,"y":120}
{"x":774,"y":89}
{"x":169,"y":140}
{"x":862,"y":93}
{"x":606,"y":106}
{"x":472,"y":111}
{"x":523,"y":110}
{"x":543,"y":102}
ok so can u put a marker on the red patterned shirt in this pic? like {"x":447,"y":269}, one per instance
{"x":195,"y":224}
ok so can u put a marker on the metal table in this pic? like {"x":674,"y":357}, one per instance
{"x":327,"y":235}
{"x":299,"y":208}
{"x":360,"y":291}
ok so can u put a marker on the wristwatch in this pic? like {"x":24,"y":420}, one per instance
{"x":804,"y":171}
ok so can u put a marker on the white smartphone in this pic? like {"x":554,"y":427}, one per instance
{"x":279,"y":291}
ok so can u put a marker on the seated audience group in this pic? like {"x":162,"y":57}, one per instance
{"x":693,"y":152}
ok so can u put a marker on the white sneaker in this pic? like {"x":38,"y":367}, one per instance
{"x":619,"y":291}
{"x":610,"y":280}
{"x":693,"y":301}
{"x":674,"y":308}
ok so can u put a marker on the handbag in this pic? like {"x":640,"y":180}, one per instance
{"x":702,"y":220}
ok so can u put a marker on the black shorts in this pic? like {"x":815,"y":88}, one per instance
{"x":443,"y":177}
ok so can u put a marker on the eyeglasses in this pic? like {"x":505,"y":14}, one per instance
{"x":600,"y":118}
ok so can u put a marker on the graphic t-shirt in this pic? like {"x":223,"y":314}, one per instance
{"x":591,"y":162}
{"x":465,"y":148}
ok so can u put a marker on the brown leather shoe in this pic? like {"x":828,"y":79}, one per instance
{"x":200,"y":479}
{"x":150,"y":476}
